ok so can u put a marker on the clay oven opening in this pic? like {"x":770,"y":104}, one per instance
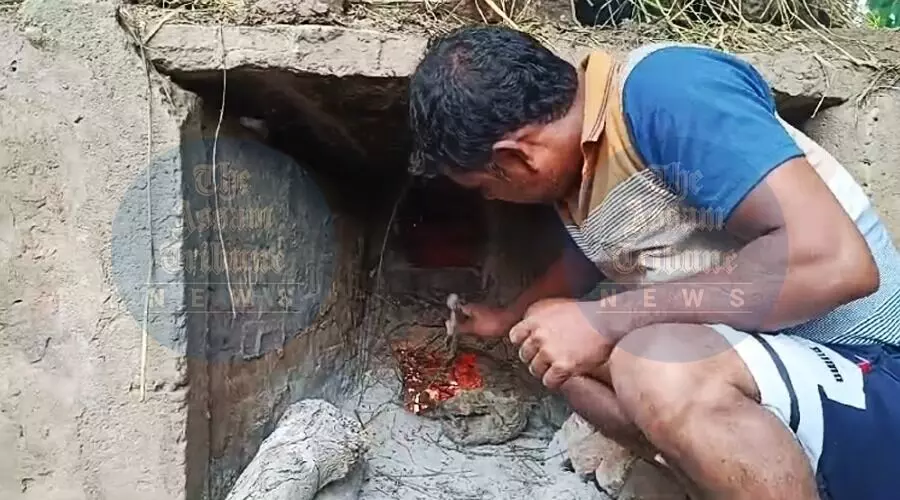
{"x":339,"y":265}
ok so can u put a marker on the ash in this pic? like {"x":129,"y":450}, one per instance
{"x":412,"y":457}
{"x":491,"y":443}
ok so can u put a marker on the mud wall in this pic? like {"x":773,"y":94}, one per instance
{"x":863,"y":137}
{"x":276,"y":326}
{"x":73,"y":142}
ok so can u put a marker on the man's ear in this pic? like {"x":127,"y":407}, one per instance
{"x":513,"y":154}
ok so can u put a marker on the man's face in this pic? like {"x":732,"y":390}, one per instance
{"x":494,"y":183}
{"x":539,"y":165}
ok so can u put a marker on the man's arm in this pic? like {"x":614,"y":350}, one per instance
{"x":805,"y":257}
{"x":712,"y":134}
{"x":570,"y":276}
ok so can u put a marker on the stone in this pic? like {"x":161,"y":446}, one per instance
{"x":555,"y":454}
{"x":34,"y":35}
{"x":617,"y":471}
{"x":347,"y":51}
{"x":615,"y":464}
{"x":588,"y":449}
{"x":312,"y":446}
{"x":317,"y":50}
{"x":646,"y":481}
{"x":563,"y":482}
{"x":567,"y":486}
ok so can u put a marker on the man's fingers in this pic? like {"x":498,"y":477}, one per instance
{"x":554,"y":377}
{"x":529,"y":348}
{"x":521,"y":331}
{"x":539,"y":365}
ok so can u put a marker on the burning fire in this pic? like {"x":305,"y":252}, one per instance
{"x":426,"y":382}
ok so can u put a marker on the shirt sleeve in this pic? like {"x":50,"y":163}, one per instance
{"x":705,"y":122}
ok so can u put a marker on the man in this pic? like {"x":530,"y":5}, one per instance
{"x":754,"y":339}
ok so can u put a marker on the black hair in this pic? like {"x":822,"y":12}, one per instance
{"x":476,"y":85}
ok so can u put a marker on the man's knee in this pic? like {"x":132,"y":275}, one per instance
{"x":667,"y":376}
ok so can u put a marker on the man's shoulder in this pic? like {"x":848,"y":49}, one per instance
{"x":658,"y":60}
{"x":637,"y":55}
{"x":681,"y":76}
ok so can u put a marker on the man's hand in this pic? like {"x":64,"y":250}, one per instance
{"x":485,"y":321}
{"x":557,"y":341}
{"x":571,"y":275}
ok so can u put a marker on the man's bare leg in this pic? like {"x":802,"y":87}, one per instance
{"x":595,"y":402}
{"x":694,"y":399}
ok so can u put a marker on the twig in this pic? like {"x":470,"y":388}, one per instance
{"x":126,"y":23}
{"x":214,"y":164}
{"x":431,"y":473}
{"x":480,"y":12}
{"x":512,"y":24}
{"x":146,"y":324}
{"x":379,"y":410}
{"x":152,"y":33}
{"x":847,"y":55}
{"x":865,"y":94}
{"x":387,"y":232}
{"x":368,"y":326}
{"x":400,"y":484}
{"x":145,"y":337}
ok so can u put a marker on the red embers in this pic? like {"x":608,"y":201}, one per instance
{"x":425,"y":381}
{"x":466,"y":373}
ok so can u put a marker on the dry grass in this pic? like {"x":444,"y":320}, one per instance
{"x":722,"y":24}
{"x":718,"y":23}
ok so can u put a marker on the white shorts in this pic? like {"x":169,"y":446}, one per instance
{"x":841,"y":402}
